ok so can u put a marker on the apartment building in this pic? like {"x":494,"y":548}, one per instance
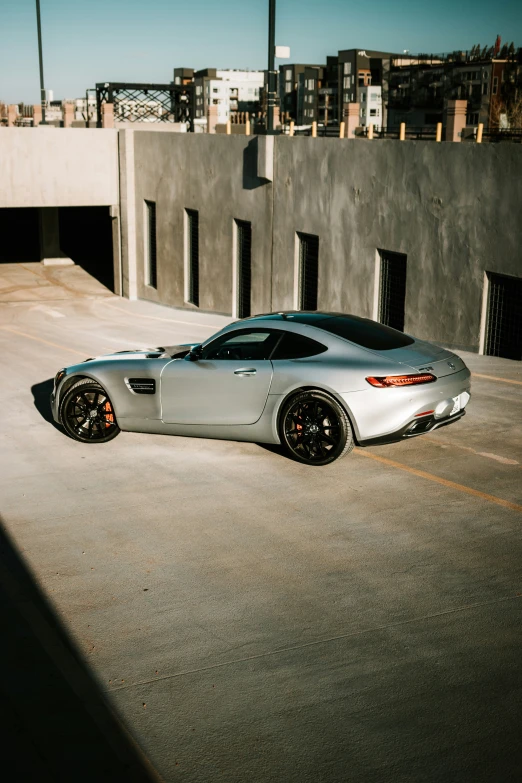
{"x":232,"y":91}
{"x":420,"y":86}
{"x":370,"y":106}
{"x":359,"y":69}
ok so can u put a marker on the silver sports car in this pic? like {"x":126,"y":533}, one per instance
{"x":317,"y":382}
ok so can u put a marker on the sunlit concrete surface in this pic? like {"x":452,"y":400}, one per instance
{"x":37,"y":283}
{"x":254,"y":619}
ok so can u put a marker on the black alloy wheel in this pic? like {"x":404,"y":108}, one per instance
{"x":87,"y":414}
{"x":315,"y":428}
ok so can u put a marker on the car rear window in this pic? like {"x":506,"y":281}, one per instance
{"x":366,"y":333}
{"x":296,"y":346}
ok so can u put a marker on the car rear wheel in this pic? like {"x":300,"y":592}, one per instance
{"x":315,"y":429}
{"x":87,"y":414}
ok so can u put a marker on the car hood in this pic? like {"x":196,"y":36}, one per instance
{"x":162,"y":352}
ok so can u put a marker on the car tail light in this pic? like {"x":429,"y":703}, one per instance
{"x":401,"y":380}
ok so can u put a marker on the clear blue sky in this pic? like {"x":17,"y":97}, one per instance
{"x":89,"y":41}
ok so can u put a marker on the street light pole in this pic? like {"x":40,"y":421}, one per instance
{"x":42,"y":88}
{"x":272,"y":90}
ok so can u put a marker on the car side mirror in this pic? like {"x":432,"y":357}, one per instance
{"x":194,"y":355}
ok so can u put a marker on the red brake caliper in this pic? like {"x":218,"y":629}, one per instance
{"x":109,"y":416}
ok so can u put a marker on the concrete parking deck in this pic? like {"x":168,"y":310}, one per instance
{"x":253,"y":619}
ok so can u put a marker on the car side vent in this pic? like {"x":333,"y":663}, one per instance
{"x":142,"y":385}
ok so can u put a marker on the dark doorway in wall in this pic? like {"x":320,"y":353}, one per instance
{"x":504,"y":318}
{"x":244,"y":267}
{"x":392,"y":289}
{"x":308,"y":270}
{"x":86,"y":237}
{"x":192,"y":250}
{"x":151,"y":266}
{"x":19,"y":237}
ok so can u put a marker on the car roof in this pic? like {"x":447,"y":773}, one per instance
{"x":310,"y":317}
{"x":363,"y":332}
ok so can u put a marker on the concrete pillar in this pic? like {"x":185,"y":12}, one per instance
{"x":480,"y":129}
{"x":229,"y":128}
{"x":37,"y":115}
{"x":292,"y":128}
{"x":107,"y":118}
{"x":49,"y":227}
{"x":68,"y":115}
{"x":12,"y":114}
{"x":351,"y":119}
{"x":402,"y":131}
{"x":370,"y":131}
{"x":129,"y":240}
{"x":438,"y":135}
{"x":212,"y":118}
{"x":247,"y":128}
{"x":455,"y":120}
{"x":341,"y":130}
{"x":314,"y":129}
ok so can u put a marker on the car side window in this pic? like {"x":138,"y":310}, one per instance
{"x":244,"y":345}
{"x":297,"y":346}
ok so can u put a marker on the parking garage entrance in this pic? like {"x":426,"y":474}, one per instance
{"x":84,"y":237}
{"x":504,"y":318}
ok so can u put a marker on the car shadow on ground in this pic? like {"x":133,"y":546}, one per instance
{"x":56,"y":723}
{"x":42,"y":401}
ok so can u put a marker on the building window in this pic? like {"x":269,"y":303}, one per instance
{"x":504,"y":317}
{"x":392,"y":289}
{"x":347,"y":82}
{"x":243,"y":261}
{"x":192,"y":256}
{"x":347,"y":68}
{"x":289,"y":74}
{"x":495,"y":85}
{"x":288,"y":87}
{"x":151,"y":277}
{"x":308,"y":271}
{"x":198,"y":89}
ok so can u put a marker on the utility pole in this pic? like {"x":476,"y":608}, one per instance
{"x":42,"y":88}
{"x":272,"y":84}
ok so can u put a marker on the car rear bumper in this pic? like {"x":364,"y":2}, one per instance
{"x":413,"y":429}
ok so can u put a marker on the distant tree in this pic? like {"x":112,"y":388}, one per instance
{"x":507,"y":111}
{"x":484,"y":53}
{"x":503,"y":52}
{"x":511,"y":49}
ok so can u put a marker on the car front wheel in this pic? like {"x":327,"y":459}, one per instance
{"x":87,"y":414}
{"x":315,"y":428}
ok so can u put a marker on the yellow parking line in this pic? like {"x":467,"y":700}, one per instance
{"x":45,"y":342}
{"x":496,"y":378}
{"x":168,"y":320}
{"x":445,"y":482}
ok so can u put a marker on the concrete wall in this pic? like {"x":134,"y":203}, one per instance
{"x":58,"y":167}
{"x":216,"y":175}
{"x":453,"y":209}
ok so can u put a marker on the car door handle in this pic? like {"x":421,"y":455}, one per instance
{"x":245,"y":373}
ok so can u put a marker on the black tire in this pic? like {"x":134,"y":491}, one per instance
{"x":87,"y":414}
{"x":315,"y":429}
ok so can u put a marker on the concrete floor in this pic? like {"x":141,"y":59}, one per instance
{"x":252,"y":619}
